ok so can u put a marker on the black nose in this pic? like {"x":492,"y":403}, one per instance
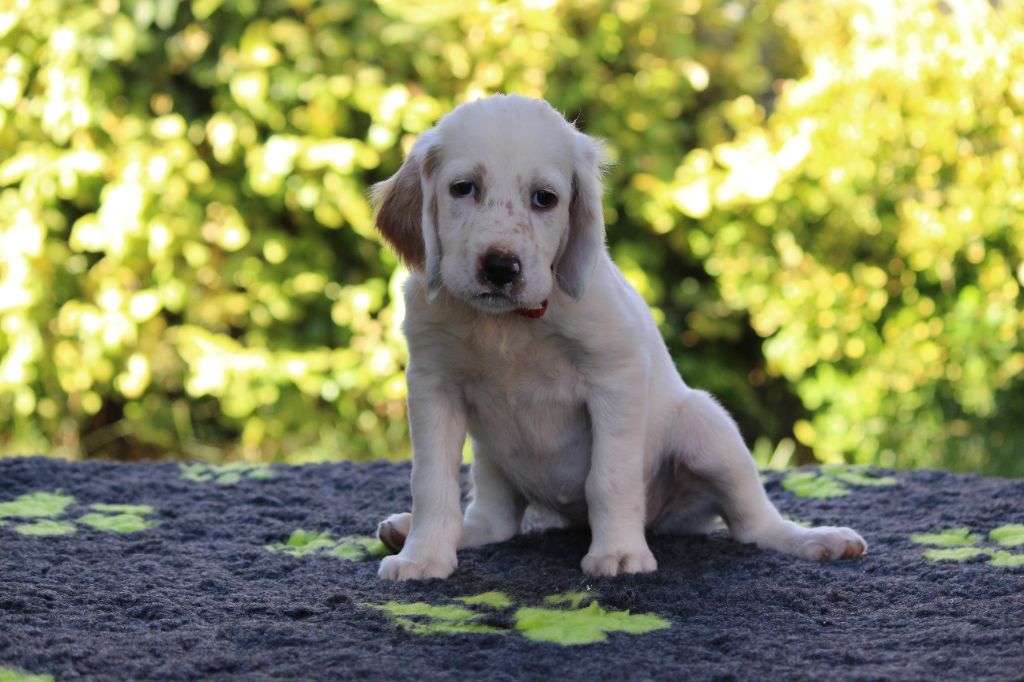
{"x":499,"y":268}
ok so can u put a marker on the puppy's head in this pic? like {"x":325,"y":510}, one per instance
{"x":499,"y":203}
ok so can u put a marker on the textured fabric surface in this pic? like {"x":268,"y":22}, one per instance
{"x":169,"y":572}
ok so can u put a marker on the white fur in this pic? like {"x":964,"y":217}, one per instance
{"x":580,"y":412}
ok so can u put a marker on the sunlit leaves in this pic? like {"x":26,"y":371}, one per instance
{"x":186,"y":218}
{"x":871,"y":228}
{"x":187,"y":256}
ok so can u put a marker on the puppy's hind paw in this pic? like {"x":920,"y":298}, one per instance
{"x":402,"y":568}
{"x":393,"y":531}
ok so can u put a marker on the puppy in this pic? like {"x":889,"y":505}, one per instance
{"x":524,"y":334}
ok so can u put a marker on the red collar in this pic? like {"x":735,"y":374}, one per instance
{"x":533,"y":313}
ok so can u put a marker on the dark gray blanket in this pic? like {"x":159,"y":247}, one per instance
{"x":170,"y":572}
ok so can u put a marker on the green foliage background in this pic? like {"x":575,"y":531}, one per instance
{"x":821,"y":201}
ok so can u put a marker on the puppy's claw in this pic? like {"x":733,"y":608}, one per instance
{"x":612,"y":563}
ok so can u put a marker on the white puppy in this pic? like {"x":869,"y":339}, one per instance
{"x":523,"y":333}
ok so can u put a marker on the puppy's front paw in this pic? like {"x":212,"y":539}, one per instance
{"x":823,"y":543}
{"x":404,"y":568}
{"x":616,"y":562}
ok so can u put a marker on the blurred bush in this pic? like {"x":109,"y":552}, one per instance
{"x":821,"y":201}
{"x":872,"y":227}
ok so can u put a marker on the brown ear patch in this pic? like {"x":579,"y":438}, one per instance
{"x":431,"y":162}
{"x":400,"y":213}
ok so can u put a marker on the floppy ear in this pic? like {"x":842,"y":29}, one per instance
{"x":585,"y":241}
{"x":405,"y":220}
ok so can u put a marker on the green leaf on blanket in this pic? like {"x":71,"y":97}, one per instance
{"x":811,"y":484}
{"x":440,"y":627}
{"x":36,"y":505}
{"x":358,"y":548}
{"x":863,"y":478}
{"x":1005,"y":559}
{"x":137,"y":509}
{"x":495,"y":600}
{"x":117,"y":523}
{"x":573,"y":599}
{"x":955,"y":544}
{"x":453,"y":613}
{"x":224,"y":474}
{"x":13,"y":675}
{"x":572,"y":625}
{"x":954,"y":553}
{"x":303,"y":543}
{"x":948,"y":538}
{"x":45,"y":527}
{"x":195,"y":472}
{"x":119,"y":517}
{"x":832,"y":480}
{"x":45,"y":506}
{"x":587,"y":625}
{"x":1010,"y":535}
{"x":421,"y":618}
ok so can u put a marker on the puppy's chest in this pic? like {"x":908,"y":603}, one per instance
{"x":518,"y":368}
{"x":526,"y":402}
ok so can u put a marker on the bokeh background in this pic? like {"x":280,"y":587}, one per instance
{"x":821,"y":201}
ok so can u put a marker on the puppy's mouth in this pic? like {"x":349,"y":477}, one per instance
{"x":494,"y":301}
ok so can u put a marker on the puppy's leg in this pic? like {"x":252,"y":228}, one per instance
{"x":494,"y":514}
{"x":495,"y":509}
{"x":437,"y":424}
{"x":615,"y":486}
{"x":709,"y":444}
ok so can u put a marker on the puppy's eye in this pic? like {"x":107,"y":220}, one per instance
{"x":463,"y":189}
{"x":543,"y":199}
